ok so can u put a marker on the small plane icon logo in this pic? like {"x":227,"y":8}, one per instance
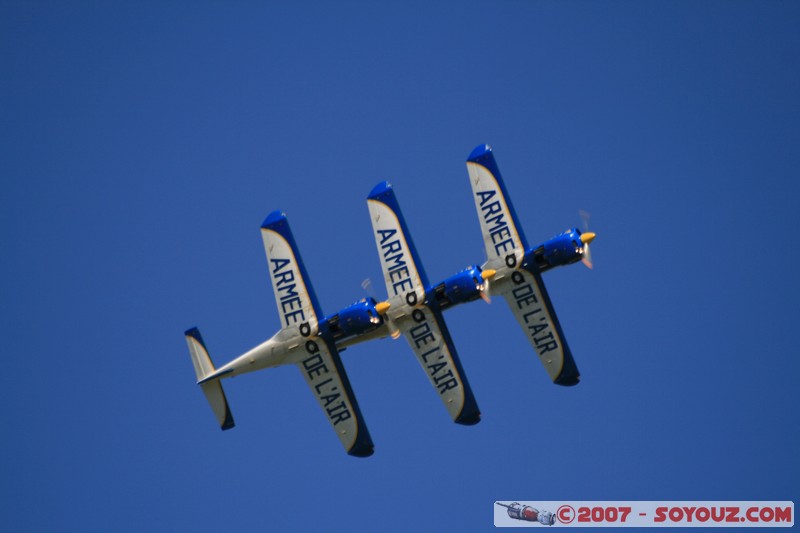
{"x":527,"y":513}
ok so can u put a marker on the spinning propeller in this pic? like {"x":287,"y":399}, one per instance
{"x":382,"y":308}
{"x":586,"y":238}
{"x":487,"y":275}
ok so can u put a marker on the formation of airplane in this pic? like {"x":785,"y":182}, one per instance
{"x":312,"y":340}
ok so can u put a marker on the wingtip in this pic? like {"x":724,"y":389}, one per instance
{"x":469,"y":420}
{"x":568,"y":380}
{"x":273,"y":218}
{"x":480,"y":151}
{"x":362,"y":451}
{"x":380,"y":189}
{"x":228,"y":423}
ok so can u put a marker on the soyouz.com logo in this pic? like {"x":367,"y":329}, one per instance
{"x":644,"y":514}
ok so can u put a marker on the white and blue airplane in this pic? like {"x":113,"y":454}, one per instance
{"x":518,"y":267}
{"x":414,"y":308}
{"x":312,"y":341}
{"x":307,"y":339}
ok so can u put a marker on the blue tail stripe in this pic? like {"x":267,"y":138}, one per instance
{"x":384,"y":193}
{"x":195,"y":334}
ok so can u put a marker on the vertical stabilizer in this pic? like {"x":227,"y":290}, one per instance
{"x":212,"y":389}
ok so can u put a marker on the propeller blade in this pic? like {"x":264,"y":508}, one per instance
{"x":367,"y":286}
{"x":484,"y":287}
{"x":587,"y":256}
{"x":381,"y":308}
{"x":585,"y":216}
{"x":586,"y":238}
{"x":483,"y":291}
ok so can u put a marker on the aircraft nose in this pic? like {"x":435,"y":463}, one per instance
{"x":588,"y":237}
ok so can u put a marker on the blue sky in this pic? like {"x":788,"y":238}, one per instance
{"x":141,"y":146}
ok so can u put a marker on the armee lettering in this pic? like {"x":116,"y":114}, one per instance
{"x":494,"y":222}
{"x":394,"y":260}
{"x":289,"y":299}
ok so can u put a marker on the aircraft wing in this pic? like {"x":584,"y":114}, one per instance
{"x":304,"y":327}
{"x":523,"y":289}
{"x":421,"y":323}
{"x":528,"y":299}
{"x":429,"y":338}
{"x":402,"y":271}
{"x":502,"y":233}
{"x":322,"y":369}
{"x":297,"y":303}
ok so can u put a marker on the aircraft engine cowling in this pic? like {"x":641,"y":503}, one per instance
{"x":463,"y":287}
{"x":356,"y":319}
{"x":563,"y":249}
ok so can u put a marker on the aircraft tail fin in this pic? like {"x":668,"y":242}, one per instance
{"x":212,"y":389}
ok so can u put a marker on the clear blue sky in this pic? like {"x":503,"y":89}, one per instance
{"x":141,"y":146}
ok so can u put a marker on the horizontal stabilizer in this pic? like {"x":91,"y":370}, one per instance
{"x":203,"y":367}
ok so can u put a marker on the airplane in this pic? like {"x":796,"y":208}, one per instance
{"x":414,"y":308}
{"x":518,"y":267}
{"x":306,"y":339}
{"x":313,"y":341}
